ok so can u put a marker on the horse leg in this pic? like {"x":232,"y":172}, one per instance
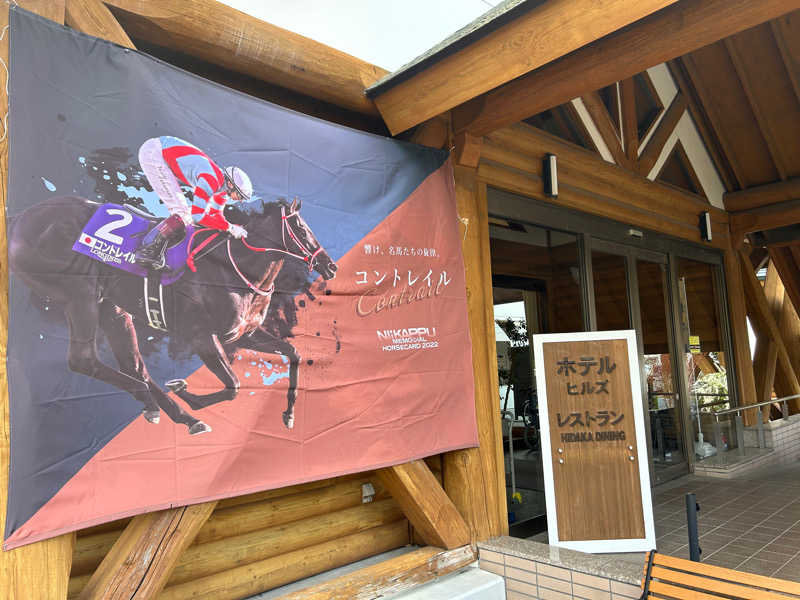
{"x":212,"y":354}
{"x":121,"y":335}
{"x":261,"y":341}
{"x":83,"y":318}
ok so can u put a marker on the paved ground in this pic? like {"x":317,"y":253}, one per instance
{"x":751,"y":524}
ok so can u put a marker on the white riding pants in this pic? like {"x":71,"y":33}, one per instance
{"x":163,"y":180}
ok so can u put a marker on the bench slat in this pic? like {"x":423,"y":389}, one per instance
{"x":770,"y":583}
{"x":666,"y":590}
{"x":726,"y":588}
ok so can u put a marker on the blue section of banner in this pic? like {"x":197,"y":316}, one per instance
{"x":80,"y":109}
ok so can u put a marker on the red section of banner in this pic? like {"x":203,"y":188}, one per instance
{"x":386,"y":377}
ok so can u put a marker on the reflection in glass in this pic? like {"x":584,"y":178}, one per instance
{"x":610,"y":291}
{"x":704,"y":358}
{"x":665,"y":423}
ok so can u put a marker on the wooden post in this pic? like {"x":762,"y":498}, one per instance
{"x":475,"y":478}
{"x":40,"y":570}
{"x":737,"y":310}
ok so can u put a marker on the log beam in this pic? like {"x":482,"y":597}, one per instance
{"x":542,"y":34}
{"x":38,"y":571}
{"x":426,"y":504}
{"x":763,"y":195}
{"x":784,"y":263}
{"x":766,"y":327}
{"x":93,"y":17}
{"x":667,"y":124}
{"x":630,"y":126}
{"x":607,"y":128}
{"x":764,"y":218}
{"x":468,"y":150}
{"x":142,"y":559}
{"x":224,"y":36}
{"x":667,"y":34}
{"x":737,"y":309}
{"x":390,"y":577}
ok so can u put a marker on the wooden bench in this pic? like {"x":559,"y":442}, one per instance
{"x":681,"y":579}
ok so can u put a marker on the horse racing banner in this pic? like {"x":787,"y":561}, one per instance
{"x":211,"y":295}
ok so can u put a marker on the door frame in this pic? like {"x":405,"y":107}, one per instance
{"x":599,"y":232}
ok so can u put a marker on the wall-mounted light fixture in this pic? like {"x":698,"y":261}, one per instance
{"x":550,"y":175}
{"x":705,"y":226}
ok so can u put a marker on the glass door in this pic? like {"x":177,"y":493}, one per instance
{"x":631,"y":292}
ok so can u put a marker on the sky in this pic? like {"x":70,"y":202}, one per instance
{"x":386,"y":33}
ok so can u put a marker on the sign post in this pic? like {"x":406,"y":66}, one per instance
{"x":594,"y":453}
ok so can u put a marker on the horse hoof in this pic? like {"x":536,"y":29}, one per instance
{"x":152,"y":416}
{"x":288,"y":420}
{"x":176,"y":385}
{"x":199,"y":428}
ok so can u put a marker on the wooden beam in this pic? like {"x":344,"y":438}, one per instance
{"x":766,"y":327}
{"x":608,"y":130}
{"x":38,"y":571}
{"x":763,"y":195}
{"x":141,"y":561}
{"x":770,"y":121}
{"x":426,"y":504}
{"x":737,"y":310}
{"x":766,"y":351}
{"x":787,"y":269}
{"x":94,"y":18}
{"x":701,"y":120}
{"x":252,"y":578}
{"x":671,"y":32}
{"x":391,"y":577}
{"x":786,"y":31}
{"x":227,"y":37}
{"x":667,"y":124}
{"x":474,"y":478}
{"x":468,"y":150}
{"x":433,"y":132}
{"x":630,"y":124}
{"x":534,"y":38}
{"x":766,"y":217}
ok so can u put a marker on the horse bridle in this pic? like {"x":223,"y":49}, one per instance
{"x":307,"y":255}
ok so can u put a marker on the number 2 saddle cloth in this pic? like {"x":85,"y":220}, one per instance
{"x":113,"y":234}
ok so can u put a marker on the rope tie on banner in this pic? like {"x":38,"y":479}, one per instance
{"x":465,"y":223}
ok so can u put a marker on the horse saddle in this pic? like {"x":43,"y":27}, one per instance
{"x":114,"y":232}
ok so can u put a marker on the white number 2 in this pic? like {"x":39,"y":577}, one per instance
{"x":105,"y":232}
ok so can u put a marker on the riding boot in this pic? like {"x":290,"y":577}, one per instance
{"x":151,"y":253}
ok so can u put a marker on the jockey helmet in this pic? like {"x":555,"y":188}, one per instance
{"x":240,"y":182}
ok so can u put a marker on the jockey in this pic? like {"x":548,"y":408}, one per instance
{"x":167,"y":163}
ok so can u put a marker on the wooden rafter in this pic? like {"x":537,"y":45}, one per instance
{"x":788,"y":270}
{"x":763,"y":195}
{"x":672,"y":32}
{"x":655,"y":145}
{"x":741,"y":54}
{"x":608,"y":130}
{"x":630,"y":125}
{"x":224,"y":36}
{"x":786,"y":31}
{"x":542,"y":34}
{"x":701,"y":121}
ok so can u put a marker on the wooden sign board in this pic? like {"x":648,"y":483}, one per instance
{"x":594,"y":452}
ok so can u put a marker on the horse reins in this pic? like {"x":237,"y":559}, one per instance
{"x":199,"y":252}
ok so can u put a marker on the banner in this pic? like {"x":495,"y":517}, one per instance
{"x":211,"y":295}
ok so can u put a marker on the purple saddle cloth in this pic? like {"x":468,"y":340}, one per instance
{"x":114,"y":233}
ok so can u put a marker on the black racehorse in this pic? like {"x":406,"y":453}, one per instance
{"x":222,"y":301}
{"x":302,"y":254}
